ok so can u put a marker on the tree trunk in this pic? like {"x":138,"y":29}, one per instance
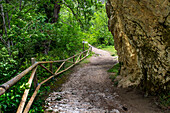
{"x":57,"y":8}
{"x":4,"y":26}
{"x":3,"y":18}
{"x":46,"y":45}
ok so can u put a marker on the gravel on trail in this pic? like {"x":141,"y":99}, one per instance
{"x":89,"y":89}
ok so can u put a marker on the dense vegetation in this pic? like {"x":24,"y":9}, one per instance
{"x":45,"y":29}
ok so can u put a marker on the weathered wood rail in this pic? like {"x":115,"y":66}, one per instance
{"x":4,"y":87}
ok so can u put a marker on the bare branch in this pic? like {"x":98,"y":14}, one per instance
{"x":30,"y":8}
{"x":11,"y":15}
{"x":57,"y":7}
{"x":3,"y":17}
{"x":3,"y":41}
{"x":9,"y":26}
{"x":23,"y":6}
{"x":73,"y":13}
{"x":67,"y":23}
{"x":12,"y":5}
{"x":20,"y":5}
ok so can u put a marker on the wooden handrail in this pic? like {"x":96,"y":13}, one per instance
{"x":25,"y":95}
{"x":56,"y":73}
{"x":47,"y":62}
{"x":33,"y":67}
{"x":46,"y":69}
{"x":14,"y":80}
{"x":60,"y":67}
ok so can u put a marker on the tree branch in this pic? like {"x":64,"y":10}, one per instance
{"x":74,"y":13}
{"x":20,"y":5}
{"x":30,"y":8}
{"x":9,"y":26}
{"x":3,"y":41}
{"x":3,"y":17}
{"x":57,"y":8}
{"x":11,"y":16}
{"x":66,"y":23}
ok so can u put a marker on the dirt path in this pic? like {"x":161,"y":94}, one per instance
{"x":89,"y":90}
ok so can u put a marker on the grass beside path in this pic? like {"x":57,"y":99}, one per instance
{"x":115,"y":70}
{"x":110,"y":49}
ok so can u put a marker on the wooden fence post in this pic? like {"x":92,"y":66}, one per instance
{"x":73,"y":59}
{"x":63,"y":66}
{"x":83,"y":49}
{"x":83,"y":46}
{"x":33,"y":60}
{"x":51,"y":67}
{"x":81,"y":55}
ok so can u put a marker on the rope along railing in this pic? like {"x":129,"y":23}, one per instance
{"x":33,"y":78}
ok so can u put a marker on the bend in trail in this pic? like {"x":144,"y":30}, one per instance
{"x":89,"y":89}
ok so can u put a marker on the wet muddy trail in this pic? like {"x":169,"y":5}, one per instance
{"x":89,"y":90}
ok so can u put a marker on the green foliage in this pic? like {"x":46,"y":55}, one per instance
{"x":99,"y":33}
{"x":37,"y":105}
{"x":30,"y":31}
{"x":110,"y":49}
{"x":164,"y":100}
{"x":11,"y":99}
{"x":115,"y":70}
{"x":7,"y":64}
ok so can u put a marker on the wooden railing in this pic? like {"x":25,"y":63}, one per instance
{"x":33,"y":78}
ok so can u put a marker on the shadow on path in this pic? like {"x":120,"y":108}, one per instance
{"x":89,"y":89}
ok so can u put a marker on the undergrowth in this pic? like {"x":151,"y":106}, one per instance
{"x":164,"y":100}
{"x":110,"y":49}
{"x":86,"y":61}
{"x":115,"y":70}
{"x":52,"y":85}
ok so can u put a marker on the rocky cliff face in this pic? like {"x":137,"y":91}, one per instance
{"x":141,"y":31}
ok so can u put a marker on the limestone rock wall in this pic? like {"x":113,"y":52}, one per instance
{"x":141,"y":31}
